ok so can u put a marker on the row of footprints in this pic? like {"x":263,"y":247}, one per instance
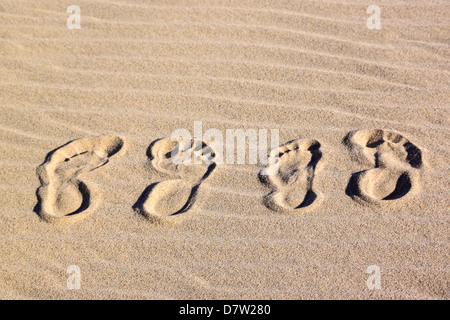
{"x":395,"y":167}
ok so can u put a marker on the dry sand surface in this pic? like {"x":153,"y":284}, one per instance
{"x":364,"y":180}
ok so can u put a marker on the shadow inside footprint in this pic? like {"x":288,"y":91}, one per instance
{"x":414,"y":155}
{"x":310,"y":197}
{"x":149,"y":197}
{"x":353,"y":189}
{"x":401,"y":189}
{"x":358,"y":190}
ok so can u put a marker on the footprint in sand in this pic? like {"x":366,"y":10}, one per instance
{"x":397,"y":166}
{"x":168,"y":201}
{"x":62,"y":198}
{"x":291,"y":173}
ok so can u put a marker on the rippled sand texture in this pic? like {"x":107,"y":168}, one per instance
{"x":85,"y":178}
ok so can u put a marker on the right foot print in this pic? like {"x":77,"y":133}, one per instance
{"x":291,"y":173}
{"x":62,"y":198}
{"x":168,"y":201}
{"x":396,"y":161}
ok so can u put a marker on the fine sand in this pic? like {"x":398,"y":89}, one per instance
{"x":87,"y":177}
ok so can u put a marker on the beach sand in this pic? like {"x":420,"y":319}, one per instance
{"x":365,"y":182}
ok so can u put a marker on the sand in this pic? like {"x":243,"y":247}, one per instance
{"x":362,"y":181}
